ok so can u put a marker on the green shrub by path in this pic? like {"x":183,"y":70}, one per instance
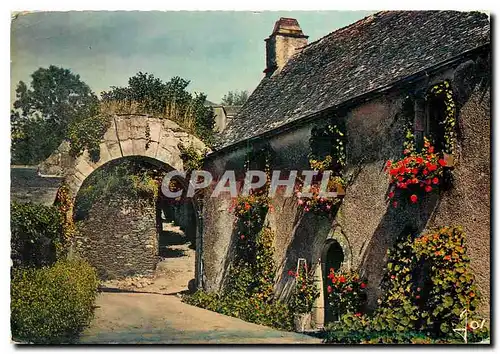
{"x":274,"y":314}
{"x":52,"y":304}
{"x":380,"y":337}
{"x":36,"y":234}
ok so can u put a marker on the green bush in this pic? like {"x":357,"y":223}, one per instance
{"x":377,"y":337}
{"x":427,"y":286}
{"x":52,"y":304}
{"x":36,"y":234}
{"x":272,"y":313}
{"x":428,"y":283}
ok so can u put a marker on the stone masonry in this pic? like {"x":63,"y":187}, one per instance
{"x":120,"y":239}
{"x":128,"y":135}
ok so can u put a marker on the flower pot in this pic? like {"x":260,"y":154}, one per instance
{"x":302,"y":321}
{"x":449,"y":159}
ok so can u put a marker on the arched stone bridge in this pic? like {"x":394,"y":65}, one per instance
{"x":128,"y":135}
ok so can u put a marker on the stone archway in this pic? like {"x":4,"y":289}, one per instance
{"x":154,"y":139}
{"x":128,"y":135}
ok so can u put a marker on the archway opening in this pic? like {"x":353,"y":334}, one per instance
{"x":333,"y":259}
{"x":127,"y":230}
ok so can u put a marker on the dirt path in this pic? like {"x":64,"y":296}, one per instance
{"x":142,"y":310}
{"x":138,"y":318}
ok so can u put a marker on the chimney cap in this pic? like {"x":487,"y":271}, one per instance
{"x":288,"y":27}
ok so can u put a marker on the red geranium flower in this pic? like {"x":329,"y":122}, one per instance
{"x":442,"y":162}
{"x":419,"y":160}
{"x":329,"y":289}
{"x":391,"y":195}
{"x":362,"y":286}
{"x":342,"y":279}
{"x":428,"y":189}
{"x":435,"y":180}
{"x":395,"y":204}
{"x":413,"y":198}
{"x":431,"y":149}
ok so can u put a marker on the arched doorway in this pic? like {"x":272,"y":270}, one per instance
{"x":122,"y":236}
{"x":333,"y":258}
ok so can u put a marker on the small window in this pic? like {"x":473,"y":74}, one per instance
{"x":435,"y":122}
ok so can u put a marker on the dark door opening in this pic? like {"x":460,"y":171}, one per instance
{"x":333,"y":259}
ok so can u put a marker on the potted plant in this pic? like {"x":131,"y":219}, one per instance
{"x":346,"y":292}
{"x":306,"y":292}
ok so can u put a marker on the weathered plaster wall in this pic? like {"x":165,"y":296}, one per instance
{"x":120,"y":239}
{"x":368,"y":224}
{"x":469,"y":202}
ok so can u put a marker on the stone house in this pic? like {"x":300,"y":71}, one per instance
{"x":224,"y":115}
{"x":368,"y":77}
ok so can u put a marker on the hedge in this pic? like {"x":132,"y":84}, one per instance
{"x":36,"y":234}
{"x":52,"y":304}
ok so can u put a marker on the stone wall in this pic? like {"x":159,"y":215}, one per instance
{"x":367,"y":224}
{"x":120,"y":239}
{"x":27,"y":186}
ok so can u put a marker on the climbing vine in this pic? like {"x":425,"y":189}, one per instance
{"x":65,"y":204}
{"x":327,"y":154}
{"x":305,"y":292}
{"x":444,"y":92}
{"x":248,"y":291}
{"x":191,"y":157}
{"x":147,"y":133}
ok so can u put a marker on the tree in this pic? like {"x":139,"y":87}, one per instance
{"x":150,"y":95}
{"x":43,"y":112}
{"x":235,"y":98}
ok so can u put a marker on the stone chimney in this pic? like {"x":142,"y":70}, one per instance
{"x":287,"y":36}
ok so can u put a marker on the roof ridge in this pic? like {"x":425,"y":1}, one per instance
{"x":345,"y":27}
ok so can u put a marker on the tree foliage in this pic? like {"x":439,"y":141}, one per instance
{"x":235,"y":98}
{"x":148,"y":94}
{"x":44,"y":110}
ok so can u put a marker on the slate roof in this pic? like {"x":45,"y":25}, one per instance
{"x":371,"y":53}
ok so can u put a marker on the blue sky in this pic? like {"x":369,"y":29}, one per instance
{"x":217,"y":51}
